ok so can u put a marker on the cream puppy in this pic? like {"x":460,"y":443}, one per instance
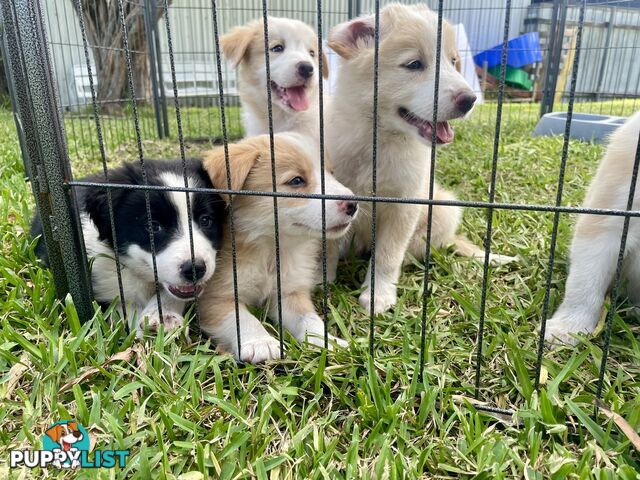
{"x":300,"y":227}
{"x":596,"y":242}
{"x":408,"y":36}
{"x":294,"y":61}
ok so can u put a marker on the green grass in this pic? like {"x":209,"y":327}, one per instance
{"x":180,"y":408}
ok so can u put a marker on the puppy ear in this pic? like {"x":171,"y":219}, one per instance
{"x":54,"y":433}
{"x":96,"y":201}
{"x":349,"y":37}
{"x":96,"y":205}
{"x":235,"y":44}
{"x":325,"y":66}
{"x":242,"y":158}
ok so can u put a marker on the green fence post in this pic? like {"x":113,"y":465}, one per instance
{"x":39,"y":115}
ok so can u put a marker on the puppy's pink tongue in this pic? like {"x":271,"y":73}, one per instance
{"x":297,"y":98}
{"x":444,"y":132}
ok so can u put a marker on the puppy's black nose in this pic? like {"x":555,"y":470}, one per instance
{"x":187,"y":269}
{"x":465,"y":101}
{"x":305,"y":69}
{"x":77,"y":434}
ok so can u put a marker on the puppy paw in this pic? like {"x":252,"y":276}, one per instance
{"x":562,"y":328}
{"x":152,"y":320}
{"x":260,"y":350}
{"x":385,"y":298}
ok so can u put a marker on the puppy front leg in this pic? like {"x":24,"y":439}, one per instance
{"x":219,"y":321}
{"x":301,"y":320}
{"x":172,"y":318}
{"x":395,"y":227}
{"x":591,"y":271}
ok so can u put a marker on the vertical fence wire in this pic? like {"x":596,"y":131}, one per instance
{"x":492,"y":194}
{"x":272,"y":152}
{"x":432,"y":182}
{"x":559,"y":193}
{"x":374,"y":162}
{"x":176,"y":100}
{"x":225,"y":146}
{"x":319,"y":56}
{"x":103,"y":157}
{"x":145,"y":181}
{"x":618,"y":274}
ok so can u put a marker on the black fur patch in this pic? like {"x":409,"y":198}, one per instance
{"x":130,"y":212}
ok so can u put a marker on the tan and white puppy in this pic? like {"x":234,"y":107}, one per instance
{"x":408,"y":36}
{"x":596,"y":242}
{"x":300,"y":229}
{"x":294,"y":61}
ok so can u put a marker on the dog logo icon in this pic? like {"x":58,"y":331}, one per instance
{"x":66,"y":444}
{"x":68,"y":437}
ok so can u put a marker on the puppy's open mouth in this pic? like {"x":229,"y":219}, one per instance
{"x":444,"y":132}
{"x":293,"y":97}
{"x":185,"y":291}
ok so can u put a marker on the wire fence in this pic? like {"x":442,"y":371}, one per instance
{"x":192,"y":97}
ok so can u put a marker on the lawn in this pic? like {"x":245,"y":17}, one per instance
{"x":181,"y":409}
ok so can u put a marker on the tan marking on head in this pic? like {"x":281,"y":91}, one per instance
{"x":242,"y":157}
{"x":235,"y":44}
{"x":290,"y":162}
{"x":55,"y":433}
{"x":325,"y":66}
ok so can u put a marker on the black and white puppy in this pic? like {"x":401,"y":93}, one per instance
{"x":180,"y":279}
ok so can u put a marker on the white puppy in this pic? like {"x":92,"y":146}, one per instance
{"x":300,"y":228}
{"x":596,"y":242}
{"x":294,"y":61}
{"x":408,"y":36}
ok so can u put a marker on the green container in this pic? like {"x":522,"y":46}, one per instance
{"x":515,"y":77}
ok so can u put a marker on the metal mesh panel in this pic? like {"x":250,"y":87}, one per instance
{"x":182,"y":53}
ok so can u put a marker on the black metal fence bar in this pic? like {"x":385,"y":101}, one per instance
{"x":276,"y":226}
{"x":25,"y":125}
{"x":103,"y":158}
{"x":366,"y":198}
{"x":136,"y":123}
{"x":176,"y":99}
{"x":325,"y":291}
{"x":374,"y":178}
{"x":48,"y":151}
{"x":225,"y":146}
{"x":432,"y":183}
{"x":492,"y":195}
{"x":560,"y":190}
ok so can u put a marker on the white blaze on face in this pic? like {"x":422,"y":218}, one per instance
{"x":297,"y":41}
{"x":178,"y":251}
{"x":310,"y":213}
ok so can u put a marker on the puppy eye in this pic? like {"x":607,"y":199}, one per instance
{"x":415,"y":65}
{"x":296,"y":182}
{"x":277,"y":49}
{"x":206,"y":221}
{"x":312,"y":53}
{"x":454,"y":61}
{"x":155,"y":227}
